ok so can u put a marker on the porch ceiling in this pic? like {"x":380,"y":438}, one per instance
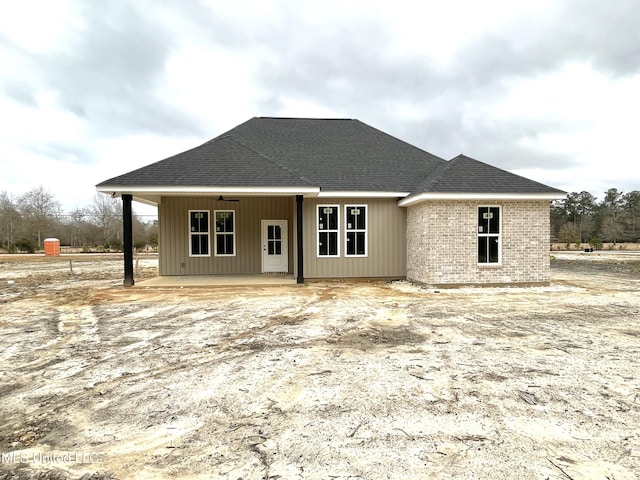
{"x":153,"y":195}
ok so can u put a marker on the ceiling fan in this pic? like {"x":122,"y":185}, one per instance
{"x":222,"y":199}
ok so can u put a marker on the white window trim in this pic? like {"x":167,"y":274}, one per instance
{"x":499,"y":235}
{"x":216,"y":233}
{"x":365,"y":230}
{"x":191,"y":254}
{"x":318,"y":231}
{"x":486,"y":197}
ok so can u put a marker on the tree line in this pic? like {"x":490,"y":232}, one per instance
{"x":27,"y":219}
{"x":581,"y":218}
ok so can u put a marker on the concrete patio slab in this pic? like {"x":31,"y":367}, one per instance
{"x":215,"y":281}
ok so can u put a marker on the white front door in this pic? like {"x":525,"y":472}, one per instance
{"x":275,"y":248}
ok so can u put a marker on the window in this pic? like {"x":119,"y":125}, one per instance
{"x":355,"y":218}
{"x":225,"y":233}
{"x":274,"y":240}
{"x":328,"y":229}
{"x":489,"y":235}
{"x":199,"y":233}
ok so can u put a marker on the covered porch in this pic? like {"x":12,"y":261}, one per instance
{"x":260,"y":242}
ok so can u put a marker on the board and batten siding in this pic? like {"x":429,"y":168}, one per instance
{"x":249,"y":211}
{"x":386,"y":256}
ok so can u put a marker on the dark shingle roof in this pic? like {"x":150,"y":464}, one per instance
{"x":223,"y":161}
{"x":466,"y":175}
{"x":339,"y":154}
{"x":332,"y":154}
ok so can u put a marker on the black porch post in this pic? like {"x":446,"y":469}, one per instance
{"x":300,"y":278}
{"x":127,"y":240}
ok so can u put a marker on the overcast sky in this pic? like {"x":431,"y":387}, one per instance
{"x":549,"y":89}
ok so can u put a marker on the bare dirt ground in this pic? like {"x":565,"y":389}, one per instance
{"x":327,"y":380}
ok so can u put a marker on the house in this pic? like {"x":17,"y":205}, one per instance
{"x":336,"y":198}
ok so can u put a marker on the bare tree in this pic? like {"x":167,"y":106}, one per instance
{"x":40,"y":211}
{"x":79,"y":227}
{"x":106,"y":213}
{"x":9,"y":221}
{"x":569,"y":234}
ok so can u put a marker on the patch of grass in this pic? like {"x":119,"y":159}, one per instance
{"x":626,"y":267}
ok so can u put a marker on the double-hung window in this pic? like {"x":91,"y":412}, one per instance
{"x":328,"y":222}
{"x":225,"y":233}
{"x":355,"y":218}
{"x":489,"y":237}
{"x":199,"y":233}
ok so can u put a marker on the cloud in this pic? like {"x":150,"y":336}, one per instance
{"x":548,"y":84}
{"x":109,"y":71}
{"x":21,"y":93}
{"x":602,"y":34}
{"x":453,"y":105}
{"x":605,"y":33}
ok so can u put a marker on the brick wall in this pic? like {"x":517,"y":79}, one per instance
{"x":442,"y":243}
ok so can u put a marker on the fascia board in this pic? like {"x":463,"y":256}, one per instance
{"x":351,"y":194}
{"x":191,"y":191}
{"x":405,"y":202}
